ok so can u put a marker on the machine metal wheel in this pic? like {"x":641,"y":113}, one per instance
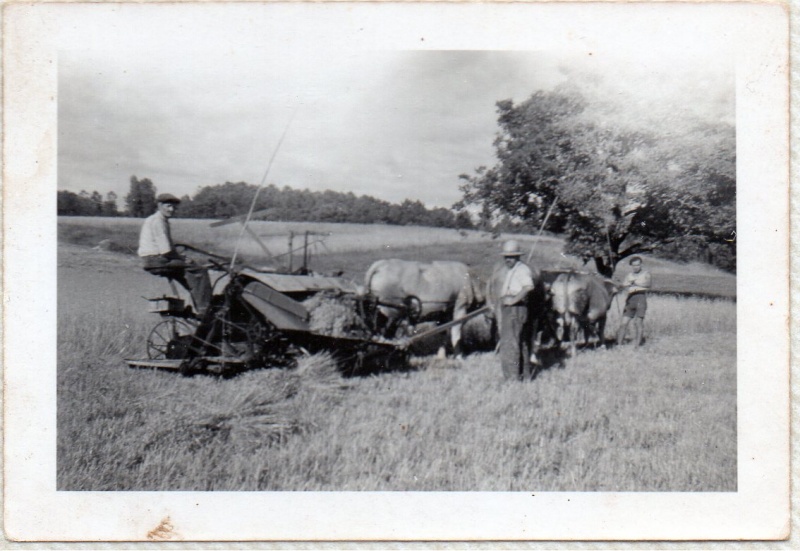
{"x":166,"y":341}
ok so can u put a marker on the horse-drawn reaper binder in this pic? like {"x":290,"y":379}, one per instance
{"x":261,"y":318}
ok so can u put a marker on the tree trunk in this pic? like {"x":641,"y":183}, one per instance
{"x":604,"y":268}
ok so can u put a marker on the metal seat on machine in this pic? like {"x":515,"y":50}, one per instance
{"x":167,"y":306}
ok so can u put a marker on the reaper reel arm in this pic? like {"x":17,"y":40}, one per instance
{"x":408,"y":341}
{"x":184,"y":247}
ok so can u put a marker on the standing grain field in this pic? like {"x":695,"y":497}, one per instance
{"x":662,"y":419}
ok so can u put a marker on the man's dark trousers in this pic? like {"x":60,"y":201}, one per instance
{"x":515,"y":343}
{"x":191,"y":276}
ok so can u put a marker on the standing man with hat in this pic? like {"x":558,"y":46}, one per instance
{"x":635,"y":286}
{"x":160,"y":257}
{"x":514,"y":323}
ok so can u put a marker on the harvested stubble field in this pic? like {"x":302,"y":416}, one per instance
{"x":661,"y":419}
{"x":326,"y":237}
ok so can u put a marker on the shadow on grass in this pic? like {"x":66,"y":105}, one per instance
{"x":553,"y":356}
{"x":556,"y":355}
{"x":550,"y":357}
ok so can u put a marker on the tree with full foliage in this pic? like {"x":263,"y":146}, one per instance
{"x":613,"y":189}
{"x":97,"y":199}
{"x":110,"y":205}
{"x":141,"y":198}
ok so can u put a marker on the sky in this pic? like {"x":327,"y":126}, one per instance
{"x":394,"y":124}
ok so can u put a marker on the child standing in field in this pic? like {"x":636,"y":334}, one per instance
{"x":160,"y":257}
{"x":635,"y":286}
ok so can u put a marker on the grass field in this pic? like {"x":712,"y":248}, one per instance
{"x":659,"y":419}
{"x":326,"y":237}
{"x":351,"y":248}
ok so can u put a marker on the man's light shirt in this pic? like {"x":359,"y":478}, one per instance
{"x":518,"y":278}
{"x":155,"y":238}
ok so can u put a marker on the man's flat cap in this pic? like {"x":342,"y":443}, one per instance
{"x":167,"y":198}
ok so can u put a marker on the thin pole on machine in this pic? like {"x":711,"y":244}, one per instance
{"x":305,"y":252}
{"x":291,"y":250}
{"x":258,"y":189}
{"x":541,"y":229}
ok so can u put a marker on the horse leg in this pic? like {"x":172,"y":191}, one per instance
{"x":455,"y":332}
{"x":574,"y":327}
{"x":534,"y":328}
{"x":560,"y":330}
{"x":601,"y":332}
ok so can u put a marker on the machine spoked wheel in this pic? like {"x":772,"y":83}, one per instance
{"x":168,"y":339}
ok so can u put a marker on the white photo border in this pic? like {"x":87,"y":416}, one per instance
{"x":33,"y":34}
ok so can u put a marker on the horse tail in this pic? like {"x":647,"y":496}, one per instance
{"x":370,"y":274}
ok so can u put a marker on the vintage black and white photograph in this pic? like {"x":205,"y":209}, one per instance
{"x":296,"y":256}
{"x":532,"y":256}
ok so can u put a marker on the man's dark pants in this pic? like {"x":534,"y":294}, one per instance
{"x":192,"y":277}
{"x":515,"y":343}
{"x":636,"y":306}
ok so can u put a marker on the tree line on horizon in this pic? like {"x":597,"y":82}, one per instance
{"x":87,"y":204}
{"x":273,"y":203}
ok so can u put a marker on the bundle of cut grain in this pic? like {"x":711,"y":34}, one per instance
{"x":259,"y":414}
{"x":104,"y":245}
{"x":318,"y":373}
{"x":332,"y":315}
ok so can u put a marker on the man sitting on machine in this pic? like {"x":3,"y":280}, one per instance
{"x":160,"y":257}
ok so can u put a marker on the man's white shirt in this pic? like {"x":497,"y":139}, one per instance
{"x":637,"y":282}
{"x":155,"y":237}
{"x":517,"y":278}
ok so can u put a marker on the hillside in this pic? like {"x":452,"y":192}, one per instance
{"x":351,"y":248}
